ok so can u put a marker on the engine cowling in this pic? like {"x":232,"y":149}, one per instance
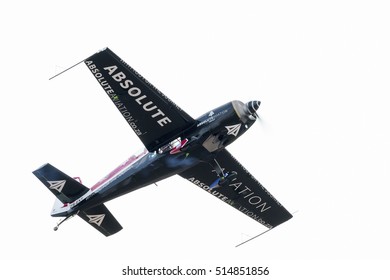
{"x":226,"y":123}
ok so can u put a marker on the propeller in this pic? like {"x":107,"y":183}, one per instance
{"x":259,"y":119}
{"x":251,"y":108}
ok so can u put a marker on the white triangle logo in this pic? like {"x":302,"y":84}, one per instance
{"x":96,"y":219}
{"x":233,"y":129}
{"x":211,"y":114}
{"x":57,"y":185}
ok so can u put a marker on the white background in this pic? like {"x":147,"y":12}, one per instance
{"x":321,"y":70}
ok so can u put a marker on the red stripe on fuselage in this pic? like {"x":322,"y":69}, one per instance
{"x":117,"y":170}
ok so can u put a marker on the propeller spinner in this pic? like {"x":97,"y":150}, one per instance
{"x":252,"y":106}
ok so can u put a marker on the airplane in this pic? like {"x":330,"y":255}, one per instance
{"x":175,"y":144}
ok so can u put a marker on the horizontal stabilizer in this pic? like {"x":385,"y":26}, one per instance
{"x":101,"y":219}
{"x":64,"y":187}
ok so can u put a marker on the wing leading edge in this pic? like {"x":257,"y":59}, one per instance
{"x":154,"y":117}
{"x":244,"y":192}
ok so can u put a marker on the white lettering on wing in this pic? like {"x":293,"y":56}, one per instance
{"x":141,"y":99}
{"x":113,"y":96}
{"x":252,"y":199}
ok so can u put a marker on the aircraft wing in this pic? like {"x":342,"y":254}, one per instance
{"x":154,"y":117}
{"x":244,"y":192}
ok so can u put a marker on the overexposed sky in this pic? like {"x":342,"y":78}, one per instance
{"x":321,"y":70}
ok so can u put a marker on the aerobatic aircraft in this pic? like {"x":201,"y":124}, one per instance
{"x":175,"y":144}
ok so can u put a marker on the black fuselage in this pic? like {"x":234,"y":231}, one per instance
{"x":212,"y":132}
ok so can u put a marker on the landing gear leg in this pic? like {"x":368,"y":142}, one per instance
{"x":63,"y":220}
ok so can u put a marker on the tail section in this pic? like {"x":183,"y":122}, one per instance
{"x":67,"y":190}
{"x":60,"y":209}
{"x":64,"y":187}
